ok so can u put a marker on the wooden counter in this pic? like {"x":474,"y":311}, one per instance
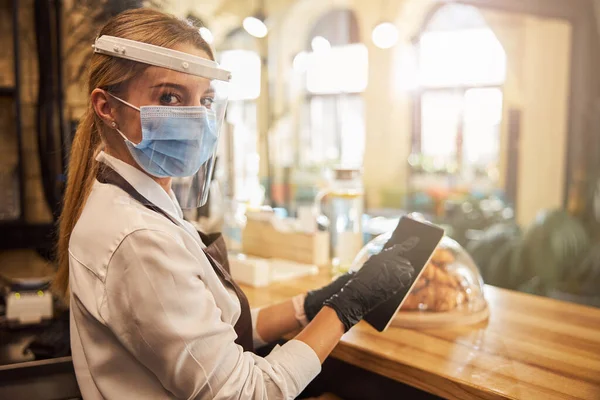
{"x":531,"y":348}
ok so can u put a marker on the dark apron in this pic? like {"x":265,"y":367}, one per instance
{"x":215,"y":251}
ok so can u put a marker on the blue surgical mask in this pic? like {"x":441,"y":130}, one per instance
{"x":176,"y":141}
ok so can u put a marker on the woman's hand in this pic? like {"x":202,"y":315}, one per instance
{"x":380,"y":278}
{"x":313,"y":302}
{"x":277,"y":320}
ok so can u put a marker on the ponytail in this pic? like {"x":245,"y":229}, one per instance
{"x":81,"y":174}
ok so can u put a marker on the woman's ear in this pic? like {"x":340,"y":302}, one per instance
{"x":102,"y":107}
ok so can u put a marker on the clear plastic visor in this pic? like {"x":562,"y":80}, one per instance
{"x":170,"y":114}
{"x":171,"y":124}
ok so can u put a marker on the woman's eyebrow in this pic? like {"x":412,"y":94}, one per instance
{"x":170,"y":85}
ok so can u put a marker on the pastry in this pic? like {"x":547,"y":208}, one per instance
{"x":437,"y":289}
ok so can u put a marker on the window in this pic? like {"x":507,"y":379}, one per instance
{"x":462,"y":67}
{"x":244,"y":66}
{"x":335,"y":132}
{"x":244,"y":89}
{"x":462,"y":57}
{"x":335,"y":73}
{"x":341,"y":69}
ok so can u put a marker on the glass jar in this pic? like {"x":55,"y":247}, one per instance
{"x":342,"y":202}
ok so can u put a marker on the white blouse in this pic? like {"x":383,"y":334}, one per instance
{"x":150,"y":318}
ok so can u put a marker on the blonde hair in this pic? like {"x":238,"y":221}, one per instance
{"x":113,"y":74}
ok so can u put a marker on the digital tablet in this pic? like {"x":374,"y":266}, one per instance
{"x":417,"y":242}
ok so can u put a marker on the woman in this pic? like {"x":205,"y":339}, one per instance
{"x":154,"y":313}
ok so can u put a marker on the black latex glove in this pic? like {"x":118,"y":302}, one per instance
{"x":380,"y":278}
{"x":315,"y":298}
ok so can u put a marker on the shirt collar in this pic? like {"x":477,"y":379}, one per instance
{"x":145,"y":185}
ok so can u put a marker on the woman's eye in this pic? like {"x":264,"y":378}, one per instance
{"x":207,"y":101}
{"x":169,"y":99}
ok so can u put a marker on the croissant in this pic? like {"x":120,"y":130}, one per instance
{"x":437,"y":289}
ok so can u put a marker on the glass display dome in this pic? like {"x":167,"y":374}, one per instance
{"x":448,"y":292}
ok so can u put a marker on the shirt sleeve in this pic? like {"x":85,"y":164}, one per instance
{"x":163,"y":313}
{"x":257,"y":340}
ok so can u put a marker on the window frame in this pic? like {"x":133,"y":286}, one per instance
{"x":309,"y":97}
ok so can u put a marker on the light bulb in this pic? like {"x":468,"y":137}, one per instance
{"x":385,"y":35}
{"x":320,"y":45}
{"x":206,"y":35}
{"x":255,"y":27}
{"x":300,"y":63}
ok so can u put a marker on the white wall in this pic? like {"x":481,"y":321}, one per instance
{"x":544,"y":129}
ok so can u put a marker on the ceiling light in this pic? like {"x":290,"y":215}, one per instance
{"x":255,"y":26}
{"x":206,"y":35}
{"x":385,"y":35}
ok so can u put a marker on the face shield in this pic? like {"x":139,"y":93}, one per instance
{"x":173,"y":115}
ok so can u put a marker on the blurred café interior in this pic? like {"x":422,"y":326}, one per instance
{"x":480,"y":116}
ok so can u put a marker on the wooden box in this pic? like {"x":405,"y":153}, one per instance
{"x":261,"y":239}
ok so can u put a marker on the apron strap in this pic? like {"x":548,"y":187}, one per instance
{"x":215,"y":251}
{"x":109,"y":176}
